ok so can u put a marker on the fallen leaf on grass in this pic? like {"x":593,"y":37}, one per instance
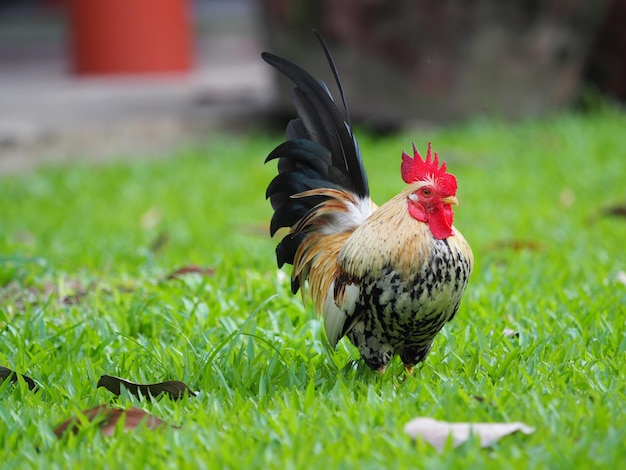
{"x":515,"y":245}
{"x":191,"y":269}
{"x":174,"y":388}
{"x":436,"y":432}
{"x":12,"y":376}
{"x":107,"y":418}
{"x":615,"y":211}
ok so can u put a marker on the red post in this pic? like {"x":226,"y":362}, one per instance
{"x":130,"y":36}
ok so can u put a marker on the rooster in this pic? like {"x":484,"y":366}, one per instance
{"x":388,"y":277}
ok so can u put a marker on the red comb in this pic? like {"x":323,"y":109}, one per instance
{"x":416,"y":169}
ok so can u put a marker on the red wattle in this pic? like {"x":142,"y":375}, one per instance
{"x":417,"y":211}
{"x":439,"y":218}
{"x":439,"y":226}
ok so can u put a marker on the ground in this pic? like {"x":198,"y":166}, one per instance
{"x":86,"y":251}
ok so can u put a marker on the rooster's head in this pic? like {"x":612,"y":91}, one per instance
{"x":432,"y":191}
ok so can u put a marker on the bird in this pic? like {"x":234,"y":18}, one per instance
{"x":388,"y":277}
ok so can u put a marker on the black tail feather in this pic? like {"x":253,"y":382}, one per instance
{"x":300,"y":153}
{"x":296,"y":182}
{"x":303,"y":165}
{"x":331,"y":64}
{"x":321,"y":153}
{"x":295,"y":128}
{"x":286,"y":249}
{"x":323,"y":123}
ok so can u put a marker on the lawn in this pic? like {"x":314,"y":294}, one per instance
{"x":85,"y":257}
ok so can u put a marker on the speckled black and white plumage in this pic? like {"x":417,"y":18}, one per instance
{"x":396,"y":285}
{"x":402,"y":316}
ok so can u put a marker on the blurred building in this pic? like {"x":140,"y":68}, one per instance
{"x":197,"y":66}
{"x":445,"y":60}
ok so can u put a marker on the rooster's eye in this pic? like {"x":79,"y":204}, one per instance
{"x":426,"y":192}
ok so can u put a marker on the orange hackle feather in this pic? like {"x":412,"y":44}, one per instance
{"x":316,"y":258}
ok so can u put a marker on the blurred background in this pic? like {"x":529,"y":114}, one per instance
{"x":95,"y":79}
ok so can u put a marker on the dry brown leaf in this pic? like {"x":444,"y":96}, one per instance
{"x":174,"y":388}
{"x":12,"y":376}
{"x":107,"y":418}
{"x":191,"y":269}
{"x":515,"y":245}
{"x":615,"y":211}
{"x":436,"y":432}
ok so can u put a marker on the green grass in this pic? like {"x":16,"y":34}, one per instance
{"x":83,"y":251}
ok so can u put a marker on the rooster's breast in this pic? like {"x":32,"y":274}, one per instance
{"x":401,"y":312}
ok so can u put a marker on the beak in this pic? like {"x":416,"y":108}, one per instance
{"x":452,"y":200}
